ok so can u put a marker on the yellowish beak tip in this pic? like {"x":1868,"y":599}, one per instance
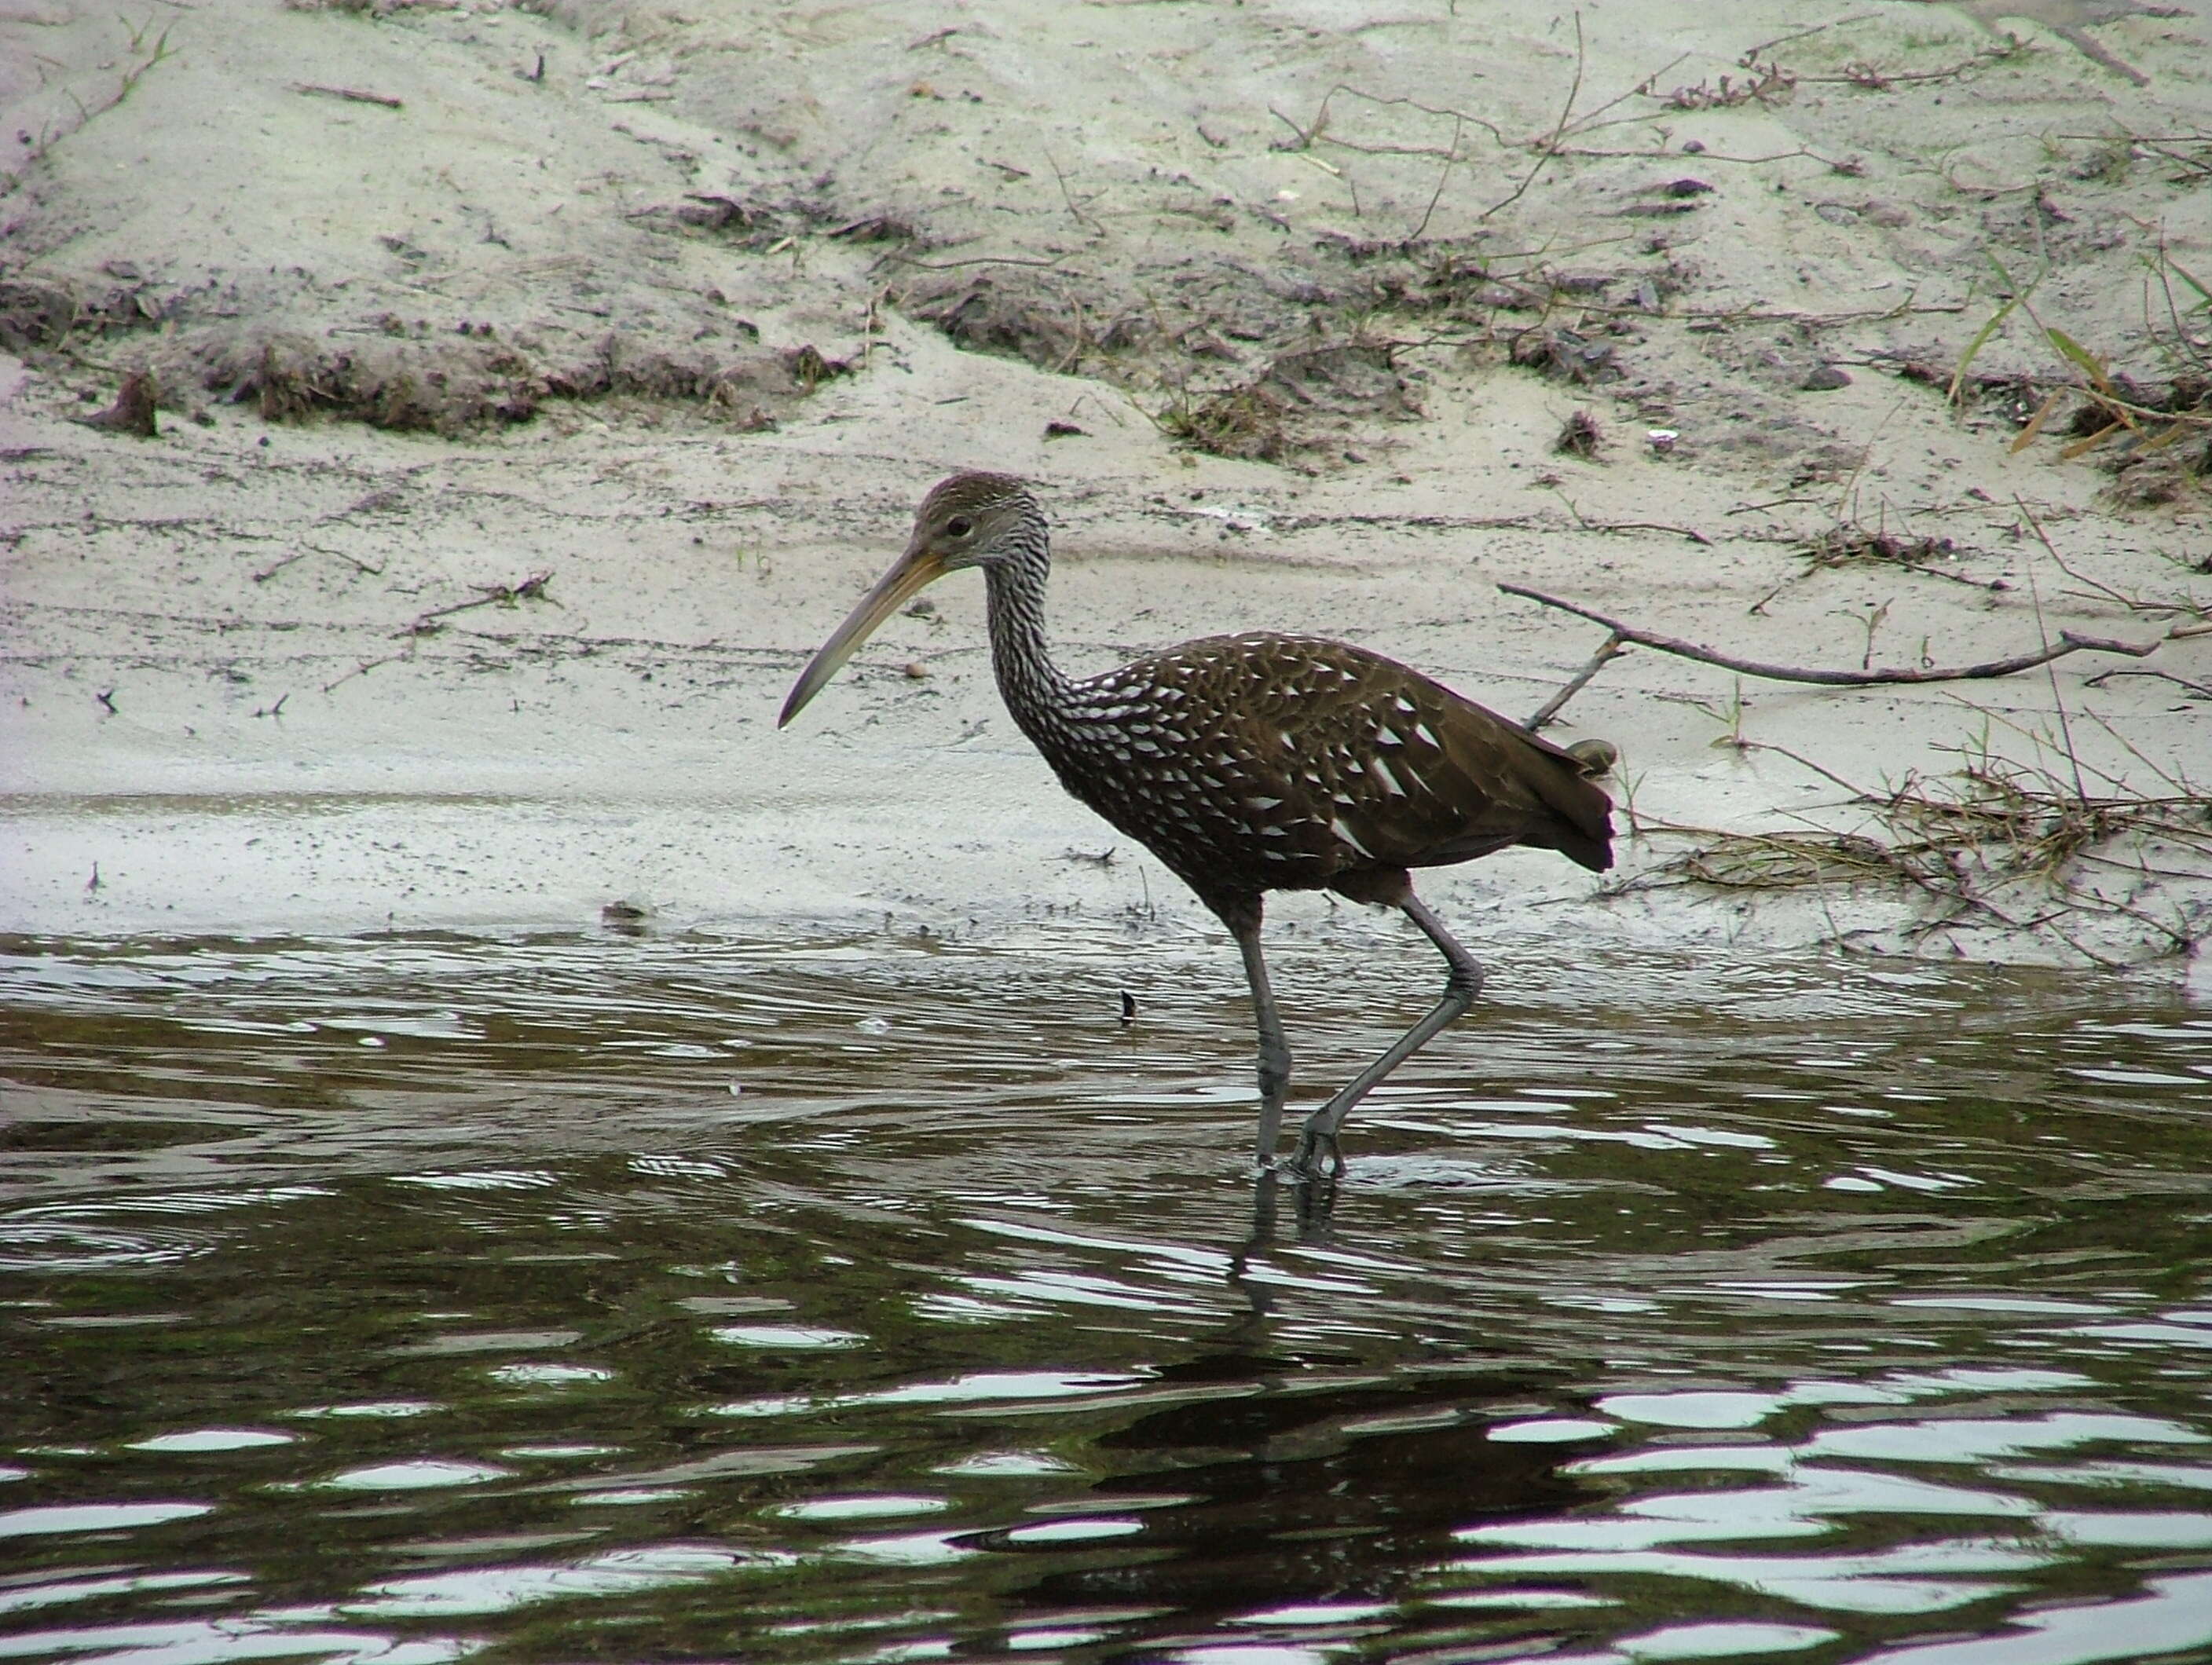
{"x":909,"y":573}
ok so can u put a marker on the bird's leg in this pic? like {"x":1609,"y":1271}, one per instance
{"x":1274,"y":1050}
{"x":1461,"y":986}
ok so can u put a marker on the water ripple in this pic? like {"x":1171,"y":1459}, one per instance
{"x":860,"y":1300}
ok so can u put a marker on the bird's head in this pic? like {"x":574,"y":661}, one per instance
{"x":968,"y":520}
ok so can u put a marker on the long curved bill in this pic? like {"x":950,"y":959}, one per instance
{"x":913,"y":570}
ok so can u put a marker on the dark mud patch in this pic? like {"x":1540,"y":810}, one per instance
{"x":35,"y":314}
{"x":133,"y":411}
{"x":452,"y":384}
{"x":1069,"y":320}
{"x":1302,"y":402}
{"x":406,"y":374}
{"x":1038,"y":316}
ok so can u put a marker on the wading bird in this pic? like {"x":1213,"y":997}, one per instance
{"x":1250,"y":763}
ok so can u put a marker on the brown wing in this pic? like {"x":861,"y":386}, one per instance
{"x":1292,"y":762}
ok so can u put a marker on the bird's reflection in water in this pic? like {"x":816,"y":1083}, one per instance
{"x":1271,"y":1488}
{"x":1316,"y":1205}
{"x":1287,"y":1480}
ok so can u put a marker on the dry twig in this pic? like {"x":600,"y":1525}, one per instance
{"x":1612,"y":646}
{"x":1690,"y":532}
{"x":352,"y":94}
{"x":2133,"y":604}
{"x":531,"y":588}
{"x":2069,"y":643}
{"x":1549,"y":147}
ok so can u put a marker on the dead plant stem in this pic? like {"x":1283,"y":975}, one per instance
{"x":2035,"y":599}
{"x":1550,"y":147}
{"x":1612,"y":646}
{"x":2070,"y":643}
{"x":1437,"y":195}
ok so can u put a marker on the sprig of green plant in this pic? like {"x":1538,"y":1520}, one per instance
{"x":2013,"y":301}
{"x":1729,"y":716}
{"x":2090,"y":376}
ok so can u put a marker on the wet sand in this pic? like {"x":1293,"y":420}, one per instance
{"x":349,"y":646}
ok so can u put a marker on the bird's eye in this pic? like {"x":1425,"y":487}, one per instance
{"x":958,"y":526}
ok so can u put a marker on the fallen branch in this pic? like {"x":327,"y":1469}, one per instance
{"x":1865,"y":76}
{"x":1690,"y":532}
{"x":352,"y":94}
{"x":306,"y":549}
{"x":1053,"y":265}
{"x":1848,"y":166}
{"x":1317,"y":130}
{"x":2069,"y":643}
{"x":2133,"y":604}
{"x":1436,"y":196}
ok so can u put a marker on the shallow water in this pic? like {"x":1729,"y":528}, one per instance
{"x":406,"y":1299}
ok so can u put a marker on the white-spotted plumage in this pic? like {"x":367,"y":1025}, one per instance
{"x":1362,"y":765}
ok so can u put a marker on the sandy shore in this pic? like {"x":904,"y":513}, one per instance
{"x":537,"y":388}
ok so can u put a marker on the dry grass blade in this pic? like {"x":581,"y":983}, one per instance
{"x":2083,"y":446}
{"x":2026,"y":436}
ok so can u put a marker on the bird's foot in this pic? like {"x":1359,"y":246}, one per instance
{"x":1310,"y":1161}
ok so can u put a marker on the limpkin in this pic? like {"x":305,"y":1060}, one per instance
{"x":1251,"y":763}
